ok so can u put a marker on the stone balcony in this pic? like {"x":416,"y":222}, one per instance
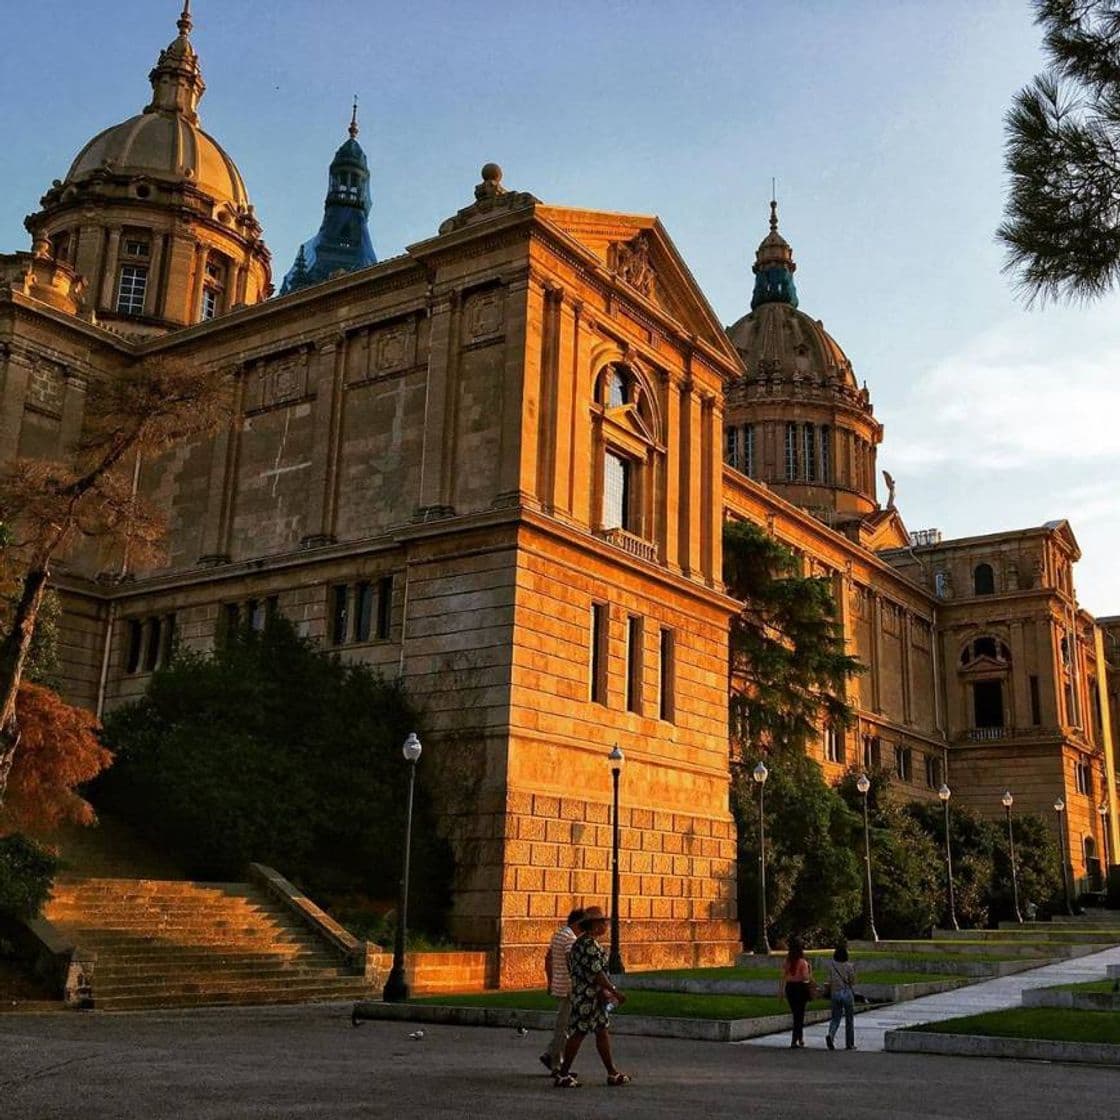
{"x":628,"y":542}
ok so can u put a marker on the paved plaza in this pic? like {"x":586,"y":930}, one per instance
{"x":300,"y":1062}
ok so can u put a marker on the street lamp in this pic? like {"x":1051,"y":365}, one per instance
{"x":945,"y":793}
{"x":863,"y":784}
{"x":761,"y":942}
{"x":614,"y":961}
{"x":1060,"y":809}
{"x":1102,"y":809}
{"x":1007,"y":801}
{"x":396,"y":987}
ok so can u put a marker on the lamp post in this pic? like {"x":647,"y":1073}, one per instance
{"x":614,"y":961}
{"x":1102,"y":810}
{"x":1007,"y":801}
{"x":945,"y":793}
{"x":396,"y":986}
{"x":1060,"y":809}
{"x":863,"y":784}
{"x":761,"y":941}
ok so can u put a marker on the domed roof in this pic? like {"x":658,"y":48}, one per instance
{"x":165,"y":141}
{"x":164,"y":146}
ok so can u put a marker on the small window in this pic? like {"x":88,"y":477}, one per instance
{"x":135,"y":641}
{"x":872,"y":752}
{"x":748,"y":451}
{"x":209,"y":303}
{"x":833,"y":744}
{"x":634,"y":664}
{"x":339,"y":613}
{"x":617,"y":477}
{"x":1036,"y":702}
{"x":809,"y":451}
{"x":1084,"y":777}
{"x":667,"y":654}
{"x":598,"y":689}
{"x":791,"y":452}
{"x":618,"y":389}
{"x":933,"y":771}
{"x":151,"y":644}
{"x":60,"y":246}
{"x":384,"y":607}
{"x":231,"y":618}
{"x":734,"y":452}
{"x":987,"y":699}
{"x":271,"y":609}
{"x":130,"y":292}
{"x":983,"y":580}
{"x":363,"y":611}
{"x":256,"y":614}
{"x":903,"y":763}
{"x":136,"y":247}
{"x":826,"y":453}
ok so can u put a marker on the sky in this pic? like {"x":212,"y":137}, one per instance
{"x":882,"y":123}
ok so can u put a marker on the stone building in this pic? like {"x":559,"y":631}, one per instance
{"x":498,"y":465}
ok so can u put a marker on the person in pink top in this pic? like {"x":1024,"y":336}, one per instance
{"x":560,"y":987}
{"x":797,"y":976}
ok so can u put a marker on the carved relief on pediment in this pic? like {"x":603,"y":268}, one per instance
{"x":631,"y":260}
{"x":484,"y":315}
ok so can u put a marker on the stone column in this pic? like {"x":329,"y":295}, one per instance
{"x":73,"y":409}
{"x":17,"y":376}
{"x":559,"y":492}
{"x":109,"y":269}
{"x":520,"y":387}
{"x":222,"y":484}
{"x":579,"y":483}
{"x":670,"y":543}
{"x":690,"y":495}
{"x":547,"y":435}
{"x":875,"y":609}
{"x":443,"y":335}
{"x":907,"y":666}
{"x":330,"y":364}
{"x":153,"y":294}
{"x":194,"y":311}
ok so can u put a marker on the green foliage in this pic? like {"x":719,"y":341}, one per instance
{"x":27,"y":873}
{"x":41,"y":666}
{"x":1061,"y":225}
{"x":812,"y":872}
{"x":788,"y":666}
{"x":1038,"y":865}
{"x":270,"y":750}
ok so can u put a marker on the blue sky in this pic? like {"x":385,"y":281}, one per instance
{"x":881,"y":121}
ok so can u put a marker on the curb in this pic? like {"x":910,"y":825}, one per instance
{"x":1077,"y":1001}
{"x":699,"y":1030}
{"x":984,"y":1046}
{"x":876,"y":993}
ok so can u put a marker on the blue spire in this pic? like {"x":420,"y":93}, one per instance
{"x":343,"y":242}
{"x":774,"y":267}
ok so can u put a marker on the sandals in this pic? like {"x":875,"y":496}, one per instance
{"x":619,"y":1079}
{"x":566,"y":1081}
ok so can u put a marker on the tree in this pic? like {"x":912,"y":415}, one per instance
{"x":270,"y":750}
{"x":50,"y":508}
{"x":788,"y":673}
{"x":788,"y":668}
{"x":59,"y":751}
{"x":1061,"y":223}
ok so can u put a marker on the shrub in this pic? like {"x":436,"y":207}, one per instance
{"x":27,"y":873}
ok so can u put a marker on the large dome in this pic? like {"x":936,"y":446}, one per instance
{"x":164,"y":146}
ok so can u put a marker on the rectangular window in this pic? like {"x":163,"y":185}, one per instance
{"x":748,"y":451}
{"x":1084,"y":779}
{"x":130,"y":292}
{"x":933,"y":771}
{"x":599,"y":653}
{"x":231,"y":618}
{"x":903,"y":763}
{"x":209,"y":303}
{"x":826,"y":453}
{"x":151,"y":644}
{"x":872,"y":754}
{"x":363,"y":611}
{"x":791,"y":452}
{"x":987,"y":699}
{"x":384,"y":607}
{"x":135,"y":641}
{"x":616,"y":491}
{"x":733,"y":452}
{"x":833,"y":744}
{"x":809,"y":451}
{"x":340,"y":596}
{"x":271,"y":608}
{"x":255,"y":613}
{"x":634,"y":664}
{"x":1036,"y":703}
{"x":135,"y":247}
{"x":666,"y":699}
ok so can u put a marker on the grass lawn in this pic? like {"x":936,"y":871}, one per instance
{"x":1106,"y":986}
{"x":668,"y":1004}
{"x":766,"y":971}
{"x":1051,"y":1023}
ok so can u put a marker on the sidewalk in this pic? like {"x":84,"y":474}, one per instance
{"x":991,"y":995}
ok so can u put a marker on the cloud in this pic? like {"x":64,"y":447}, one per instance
{"x":1034,"y":390}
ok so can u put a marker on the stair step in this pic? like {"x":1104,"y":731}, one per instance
{"x":243,"y":998}
{"x":222,"y":982}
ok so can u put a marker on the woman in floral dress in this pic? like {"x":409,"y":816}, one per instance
{"x":593,"y":995}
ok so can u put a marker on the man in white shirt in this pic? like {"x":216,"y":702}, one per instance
{"x":560,"y":987}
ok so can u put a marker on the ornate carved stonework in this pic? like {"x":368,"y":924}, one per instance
{"x":632,"y":263}
{"x":276,"y":382}
{"x":483,"y":315}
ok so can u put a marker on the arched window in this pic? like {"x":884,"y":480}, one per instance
{"x":983,"y":580}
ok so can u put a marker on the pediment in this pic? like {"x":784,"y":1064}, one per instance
{"x":639,"y":252}
{"x":884,"y":530}
{"x":985,"y":664}
{"x":630,"y":420}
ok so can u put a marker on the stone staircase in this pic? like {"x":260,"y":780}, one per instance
{"x":168,"y":943}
